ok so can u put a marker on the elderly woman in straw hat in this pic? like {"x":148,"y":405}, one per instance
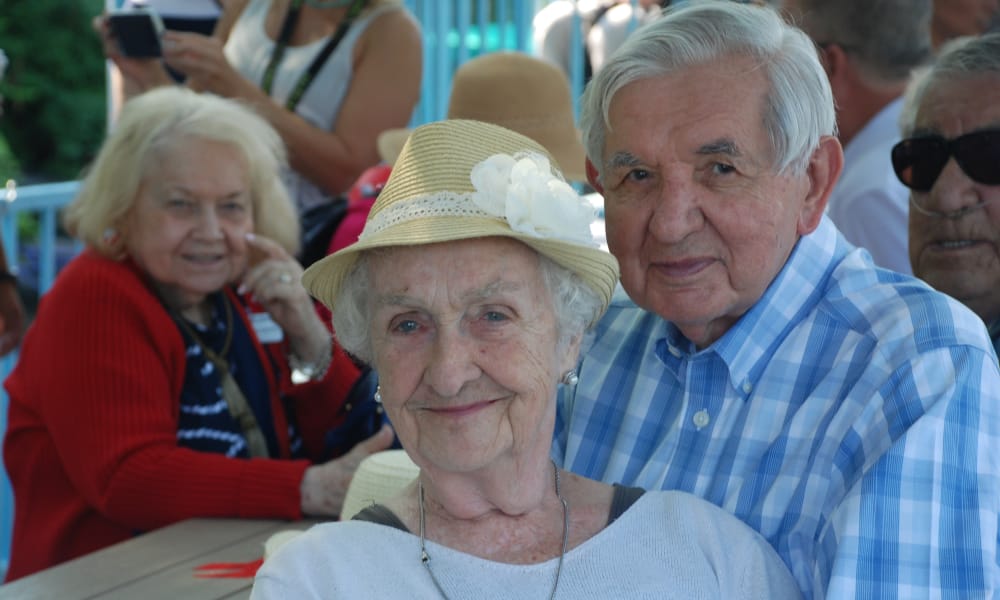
{"x":470,"y":291}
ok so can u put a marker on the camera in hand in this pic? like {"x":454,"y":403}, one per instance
{"x":137,"y":31}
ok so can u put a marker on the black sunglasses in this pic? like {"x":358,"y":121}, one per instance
{"x":919,"y":160}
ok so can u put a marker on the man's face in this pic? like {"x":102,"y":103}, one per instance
{"x":959,"y":256}
{"x":696,"y":215}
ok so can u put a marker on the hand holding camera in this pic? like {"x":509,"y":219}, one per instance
{"x":137,"y":32}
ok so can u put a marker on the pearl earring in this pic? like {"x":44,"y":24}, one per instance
{"x":378,"y":394}
{"x":110,"y":236}
{"x":570,"y":378}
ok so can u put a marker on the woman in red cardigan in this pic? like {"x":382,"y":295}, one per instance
{"x":156,"y":383}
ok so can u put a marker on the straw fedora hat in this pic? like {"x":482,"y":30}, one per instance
{"x":516,"y":91}
{"x":457,"y":179}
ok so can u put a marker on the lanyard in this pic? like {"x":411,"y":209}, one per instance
{"x":306,"y":79}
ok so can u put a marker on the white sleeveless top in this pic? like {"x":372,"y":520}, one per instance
{"x":249,"y":50}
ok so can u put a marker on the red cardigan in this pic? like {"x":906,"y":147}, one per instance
{"x":91,"y":446}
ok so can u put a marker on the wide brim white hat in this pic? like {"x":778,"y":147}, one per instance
{"x":517,"y":91}
{"x":433,"y":174}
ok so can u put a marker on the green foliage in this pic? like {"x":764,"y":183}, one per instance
{"x":8,"y":163}
{"x":54,"y":90}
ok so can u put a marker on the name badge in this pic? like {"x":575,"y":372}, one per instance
{"x":266,"y":329}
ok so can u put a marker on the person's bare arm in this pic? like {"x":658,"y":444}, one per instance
{"x":384,"y":88}
{"x":383,"y":92}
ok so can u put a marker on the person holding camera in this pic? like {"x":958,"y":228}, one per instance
{"x":329,"y":75}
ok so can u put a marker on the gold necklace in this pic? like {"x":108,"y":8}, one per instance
{"x":426,"y":559}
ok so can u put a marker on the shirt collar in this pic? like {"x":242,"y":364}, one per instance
{"x":748,"y":345}
{"x":994,"y":329}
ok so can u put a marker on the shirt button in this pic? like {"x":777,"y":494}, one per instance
{"x":700,"y":418}
{"x":674,"y":351}
{"x":747,"y":387}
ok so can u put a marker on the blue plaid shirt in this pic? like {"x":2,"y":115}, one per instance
{"x":852,"y":416}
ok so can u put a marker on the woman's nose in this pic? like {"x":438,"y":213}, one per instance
{"x":452,"y":363}
{"x":209,"y":224}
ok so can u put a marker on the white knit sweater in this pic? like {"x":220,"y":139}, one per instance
{"x":667,"y":545}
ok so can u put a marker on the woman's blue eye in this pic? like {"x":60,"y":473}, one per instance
{"x":723,"y":168}
{"x":406,"y":326}
{"x":493,"y":315}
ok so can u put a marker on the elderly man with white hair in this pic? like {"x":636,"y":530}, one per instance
{"x":757,"y":359}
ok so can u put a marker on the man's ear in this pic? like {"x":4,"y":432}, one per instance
{"x":822,"y":173}
{"x":834,"y":59}
{"x":841,"y":72}
{"x":593,"y":178}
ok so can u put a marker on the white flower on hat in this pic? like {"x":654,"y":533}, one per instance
{"x":523,"y":191}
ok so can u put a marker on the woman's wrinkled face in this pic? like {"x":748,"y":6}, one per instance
{"x":959,"y":254}
{"x":465,"y":344}
{"x":187,"y":226}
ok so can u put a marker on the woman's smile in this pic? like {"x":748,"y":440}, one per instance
{"x":462,"y":410}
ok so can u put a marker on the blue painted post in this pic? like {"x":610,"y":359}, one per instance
{"x":47,"y":247}
{"x":464,"y":19}
{"x":443,"y":62}
{"x":483,"y":23}
{"x":522,"y":25}
{"x":576,"y":50}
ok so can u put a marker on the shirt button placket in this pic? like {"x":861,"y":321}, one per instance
{"x":701,"y":419}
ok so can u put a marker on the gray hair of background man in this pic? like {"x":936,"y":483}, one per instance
{"x":799,"y":108}
{"x":887,"y":38}
{"x":959,"y":58}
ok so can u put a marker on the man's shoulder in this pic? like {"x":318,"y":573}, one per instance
{"x":889,"y":306}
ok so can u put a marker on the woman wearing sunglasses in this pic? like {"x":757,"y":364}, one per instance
{"x":950,"y":159}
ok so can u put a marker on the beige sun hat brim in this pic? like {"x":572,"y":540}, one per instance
{"x":595,"y":266}
{"x":436,"y":161}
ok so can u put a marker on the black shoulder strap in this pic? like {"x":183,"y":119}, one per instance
{"x":623,"y":499}
{"x":380,"y":515}
{"x":306,"y":79}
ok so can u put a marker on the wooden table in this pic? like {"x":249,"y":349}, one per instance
{"x":159,"y":564}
